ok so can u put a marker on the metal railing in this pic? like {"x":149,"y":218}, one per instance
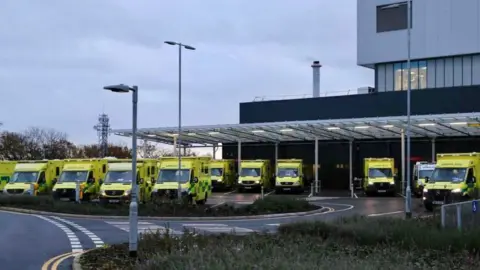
{"x":299,"y":96}
{"x":461,"y":215}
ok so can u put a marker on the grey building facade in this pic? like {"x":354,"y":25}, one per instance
{"x":445,"y":43}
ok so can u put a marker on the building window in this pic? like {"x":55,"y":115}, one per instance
{"x":404,"y":76}
{"x":418,"y":73}
{"x":414,"y":74}
{"x":392,"y":17}
{"x":422,"y":74}
{"x":397,"y":69}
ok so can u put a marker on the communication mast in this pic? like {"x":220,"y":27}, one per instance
{"x":103,"y":129}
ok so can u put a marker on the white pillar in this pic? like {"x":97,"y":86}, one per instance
{"x":214,"y":154}
{"x":276,"y":158}
{"x":402,"y":142}
{"x":316,"y":165}
{"x":350,"y":167}
{"x":433,"y":150}
{"x":239,"y":157}
{"x":175,"y":145}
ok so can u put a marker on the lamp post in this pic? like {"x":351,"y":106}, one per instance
{"x":133,"y":215}
{"x":408,"y":193}
{"x":179,"y":153}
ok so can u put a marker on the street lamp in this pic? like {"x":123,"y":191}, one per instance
{"x":179,"y":153}
{"x":408,"y":193}
{"x":133,"y":215}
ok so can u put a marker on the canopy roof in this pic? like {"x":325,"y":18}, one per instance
{"x":443,"y":125}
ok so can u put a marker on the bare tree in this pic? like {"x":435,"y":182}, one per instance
{"x":147,"y":149}
{"x":48,"y":143}
{"x":13,"y":146}
{"x":169,"y":153}
{"x":114,"y":150}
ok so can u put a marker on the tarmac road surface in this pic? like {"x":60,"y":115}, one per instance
{"x":40,"y":238}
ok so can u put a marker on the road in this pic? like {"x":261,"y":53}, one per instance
{"x":40,"y":238}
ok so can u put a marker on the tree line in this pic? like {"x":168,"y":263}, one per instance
{"x":43,"y":143}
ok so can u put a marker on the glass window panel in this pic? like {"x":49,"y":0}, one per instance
{"x":404,"y":76}
{"x":414,"y":74}
{"x":422,"y":75}
{"x":397,"y":69}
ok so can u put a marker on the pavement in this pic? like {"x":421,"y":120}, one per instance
{"x":51,"y":242}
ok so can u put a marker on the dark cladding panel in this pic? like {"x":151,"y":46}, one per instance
{"x":428,"y":101}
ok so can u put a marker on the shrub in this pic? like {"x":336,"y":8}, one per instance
{"x":285,"y":250}
{"x":407,"y":234}
{"x":159,"y":208}
{"x":279,"y":204}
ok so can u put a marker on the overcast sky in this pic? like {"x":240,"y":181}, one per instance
{"x":56,"y":55}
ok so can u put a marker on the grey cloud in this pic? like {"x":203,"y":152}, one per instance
{"x":57,"y":55}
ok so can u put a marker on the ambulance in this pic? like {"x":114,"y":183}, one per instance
{"x":88,"y":173}
{"x":34,"y":177}
{"x":379,"y":176}
{"x":292,"y":175}
{"x":454,"y":179}
{"x":117,"y":185}
{"x":193,"y":178}
{"x":6,"y":171}
{"x":255,"y":174}
{"x":421,"y":170}
{"x":223,"y":173}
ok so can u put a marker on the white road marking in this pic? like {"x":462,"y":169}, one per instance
{"x":230,"y":192}
{"x":269,"y":193}
{"x":203,"y":225}
{"x":72,"y":237}
{"x":217,"y":228}
{"x":144,"y":227}
{"x":355,"y":195}
{"x":275,"y":225}
{"x":315,"y":198}
{"x":218,"y":204}
{"x":385,"y":214}
{"x":95,"y":239}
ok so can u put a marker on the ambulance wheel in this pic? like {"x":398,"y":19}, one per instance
{"x":428,"y":206}
{"x":86,"y":197}
{"x":278,"y":191}
{"x":103,"y":201}
{"x":240,"y":190}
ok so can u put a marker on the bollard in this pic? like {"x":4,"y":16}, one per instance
{"x":311,"y":191}
{"x":32,"y":189}
{"x":77,"y":192}
{"x":262,"y":192}
{"x":459,"y":217}
{"x":442,"y":215}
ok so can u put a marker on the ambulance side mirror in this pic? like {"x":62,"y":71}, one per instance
{"x":195,"y":180}
{"x":427,"y":179}
{"x":471,"y":180}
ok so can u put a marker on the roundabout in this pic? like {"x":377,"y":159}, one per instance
{"x":62,"y":237}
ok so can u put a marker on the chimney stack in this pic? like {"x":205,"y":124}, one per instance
{"x":316,"y":78}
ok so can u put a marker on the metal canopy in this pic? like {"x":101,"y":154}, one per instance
{"x":431,"y":126}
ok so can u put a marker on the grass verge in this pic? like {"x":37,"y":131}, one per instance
{"x":314,"y":245}
{"x":269,"y":205}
